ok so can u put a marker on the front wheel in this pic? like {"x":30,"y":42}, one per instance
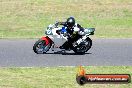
{"x":83,"y":47}
{"x":40,"y":47}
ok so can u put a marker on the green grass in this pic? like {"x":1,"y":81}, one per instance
{"x":29,"y":18}
{"x":57,"y":77}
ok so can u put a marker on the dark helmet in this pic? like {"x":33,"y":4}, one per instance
{"x":70,"y":22}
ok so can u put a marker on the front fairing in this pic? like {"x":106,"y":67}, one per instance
{"x":58,"y":40}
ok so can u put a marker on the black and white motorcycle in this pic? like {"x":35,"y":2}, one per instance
{"x":54,"y":39}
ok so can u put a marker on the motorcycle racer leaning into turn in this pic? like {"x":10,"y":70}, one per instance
{"x":74,"y":32}
{"x":63,"y":36}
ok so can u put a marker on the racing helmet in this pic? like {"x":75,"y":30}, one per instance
{"x":70,"y":22}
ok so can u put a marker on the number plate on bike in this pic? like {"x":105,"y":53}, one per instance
{"x":48,"y":32}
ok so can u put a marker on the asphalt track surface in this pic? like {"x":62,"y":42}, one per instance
{"x":104,"y":52}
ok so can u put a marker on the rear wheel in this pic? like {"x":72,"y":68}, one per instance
{"x":40,"y":47}
{"x":83,"y":47}
{"x":89,"y":43}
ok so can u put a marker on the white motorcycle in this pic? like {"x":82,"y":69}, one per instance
{"x":56,"y":37}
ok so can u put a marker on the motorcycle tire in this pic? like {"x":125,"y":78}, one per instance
{"x":78,"y":51}
{"x":43,"y":45}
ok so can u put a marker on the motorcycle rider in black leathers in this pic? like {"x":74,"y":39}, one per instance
{"x":73,"y":36}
